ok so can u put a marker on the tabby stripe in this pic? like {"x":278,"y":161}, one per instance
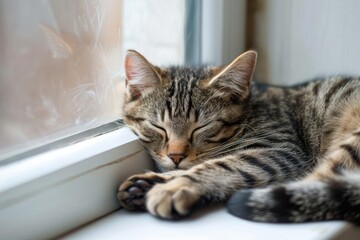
{"x":278,"y":126}
{"x":221,"y":140}
{"x":287,"y":131}
{"x":182,"y":92}
{"x":296,"y":127}
{"x":255,"y":162}
{"x":283,"y":166}
{"x":337,"y":191}
{"x":224,"y":166}
{"x":357,"y":134}
{"x":352,"y":152}
{"x":316,"y":88}
{"x":335,"y":113}
{"x":145,"y":141}
{"x":282,"y":139}
{"x":162,"y":115}
{"x":171,"y":90}
{"x":224,"y":139}
{"x":189,"y":105}
{"x":190,"y":178}
{"x":229,"y":124}
{"x":215,"y":133}
{"x":168,"y":107}
{"x":176,"y":109}
{"x":295,"y":147}
{"x":283,"y":212}
{"x":193,"y":84}
{"x":334,"y":89}
{"x":197,"y":115}
{"x":288,"y":157}
{"x":135,"y":119}
{"x":258,"y":145}
{"x":328,"y":132}
{"x":347,"y":93}
{"x":248,"y":178}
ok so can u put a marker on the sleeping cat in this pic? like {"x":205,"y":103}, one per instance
{"x":273,"y":154}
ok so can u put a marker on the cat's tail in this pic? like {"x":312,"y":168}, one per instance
{"x":335,"y":199}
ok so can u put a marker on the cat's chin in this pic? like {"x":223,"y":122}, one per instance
{"x":166,"y":169}
{"x":162,"y":168}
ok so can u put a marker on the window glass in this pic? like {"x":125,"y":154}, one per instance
{"x":156,"y":23}
{"x":61,"y":62}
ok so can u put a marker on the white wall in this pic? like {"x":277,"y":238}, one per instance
{"x":299,"y":40}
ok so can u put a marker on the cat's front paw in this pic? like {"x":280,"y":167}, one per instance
{"x":174,"y":199}
{"x":132,"y":192}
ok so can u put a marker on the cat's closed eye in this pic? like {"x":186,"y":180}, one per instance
{"x":159,"y":128}
{"x":206,"y":132}
{"x":153,"y":133}
{"x":196,"y":131}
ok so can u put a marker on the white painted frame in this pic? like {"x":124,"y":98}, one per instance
{"x":50,"y":194}
{"x":223,"y":31}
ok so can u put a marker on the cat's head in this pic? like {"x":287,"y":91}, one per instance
{"x":184,"y":115}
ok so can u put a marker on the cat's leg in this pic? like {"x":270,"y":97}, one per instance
{"x":212,"y":181}
{"x":132,"y":192}
{"x":330,"y":192}
{"x":332,"y":199}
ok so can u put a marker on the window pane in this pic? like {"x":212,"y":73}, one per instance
{"x":61,"y":62}
{"x":156,"y":29}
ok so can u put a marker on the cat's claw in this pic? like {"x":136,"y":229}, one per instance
{"x":132,"y":192}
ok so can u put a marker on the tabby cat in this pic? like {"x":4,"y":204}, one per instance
{"x":274,"y":154}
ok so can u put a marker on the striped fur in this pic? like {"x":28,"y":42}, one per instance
{"x":279,"y":154}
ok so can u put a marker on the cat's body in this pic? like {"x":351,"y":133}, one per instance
{"x":212,"y":135}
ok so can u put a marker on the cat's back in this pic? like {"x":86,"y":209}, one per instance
{"x":323,"y":98}
{"x":309,"y":107}
{"x":320,"y":93}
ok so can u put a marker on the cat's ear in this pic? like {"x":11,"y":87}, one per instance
{"x":234,"y":79}
{"x":141,"y":76}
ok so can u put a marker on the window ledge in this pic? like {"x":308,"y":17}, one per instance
{"x":210,"y":224}
{"x":54,"y":192}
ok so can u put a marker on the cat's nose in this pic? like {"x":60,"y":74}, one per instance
{"x":177,"y":157}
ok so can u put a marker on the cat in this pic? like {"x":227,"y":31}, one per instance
{"x":272,"y":154}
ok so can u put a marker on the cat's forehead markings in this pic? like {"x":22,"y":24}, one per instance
{"x":162,"y":115}
{"x":166,"y":117}
{"x":193,"y":117}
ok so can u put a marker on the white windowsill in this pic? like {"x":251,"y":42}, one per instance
{"x":208,"y":224}
{"x":52,"y":193}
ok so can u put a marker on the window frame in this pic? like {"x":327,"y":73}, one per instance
{"x":54,"y":192}
{"x":223,"y":29}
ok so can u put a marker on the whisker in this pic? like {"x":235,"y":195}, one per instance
{"x":229,"y":146}
{"x":241,"y":141}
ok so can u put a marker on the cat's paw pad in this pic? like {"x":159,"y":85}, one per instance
{"x":132,"y":192}
{"x":172,"y":200}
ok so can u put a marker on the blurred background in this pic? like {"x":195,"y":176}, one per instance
{"x":61,"y":61}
